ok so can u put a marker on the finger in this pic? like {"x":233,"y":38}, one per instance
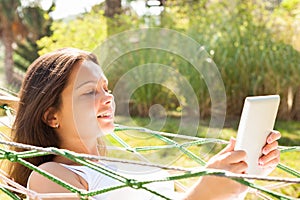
{"x":273,"y":163}
{"x":273,"y":136}
{"x":275,"y":154}
{"x":235,"y":156}
{"x":229,"y":147}
{"x":269,"y":147}
{"x":239,"y":168}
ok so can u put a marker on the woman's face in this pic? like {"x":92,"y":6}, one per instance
{"x":87,"y":105}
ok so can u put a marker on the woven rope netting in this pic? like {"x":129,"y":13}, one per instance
{"x":169,"y":141}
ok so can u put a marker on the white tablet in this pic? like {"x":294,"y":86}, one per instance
{"x":257,"y":121}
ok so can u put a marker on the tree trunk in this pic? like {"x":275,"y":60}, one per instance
{"x":112,"y":7}
{"x":284,"y":112}
{"x":296,"y":105}
{"x":7,"y":39}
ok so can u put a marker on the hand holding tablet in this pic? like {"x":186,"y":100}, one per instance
{"x":257,"y":121}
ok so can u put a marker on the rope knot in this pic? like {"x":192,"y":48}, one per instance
{"x":82,"y":195}
{"x":11,"y":156}
{"x":133,"y":184}
{"x":131,"y":150}
{"x":4,"y":106}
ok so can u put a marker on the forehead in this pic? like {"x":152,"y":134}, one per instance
{"x":88,"y":71}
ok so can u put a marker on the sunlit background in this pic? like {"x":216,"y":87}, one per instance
{"x":255,"y":44}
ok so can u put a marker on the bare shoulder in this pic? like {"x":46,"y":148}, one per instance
{"x":48,"y":186}
{"x":54,"y":168}
{"x":51,"y":166}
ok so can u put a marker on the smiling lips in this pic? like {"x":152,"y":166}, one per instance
{"x":105,"y":115}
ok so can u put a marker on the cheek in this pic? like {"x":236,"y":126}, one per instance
{"x":68,"y":122}
{"x":85,"y":120}
{"x":113,"y":105}
{"x":83,"y":110}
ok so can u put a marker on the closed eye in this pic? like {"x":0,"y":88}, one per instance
{"x":92,"y":92}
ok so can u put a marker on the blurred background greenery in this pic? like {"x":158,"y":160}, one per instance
{"x":255,"y":45}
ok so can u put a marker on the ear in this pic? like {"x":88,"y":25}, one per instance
{"x":50,"y":117}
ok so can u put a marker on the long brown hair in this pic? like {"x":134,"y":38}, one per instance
{"x":43,"y":84}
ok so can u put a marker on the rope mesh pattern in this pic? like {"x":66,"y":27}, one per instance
{"x":9,"y":187}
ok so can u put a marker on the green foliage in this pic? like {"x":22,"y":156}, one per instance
{"x":8,"y":10}
{"x":285,"y":23}
{"x":149,"y":94}
{"x":254,"y":58}
{"x":243,"y":45}
{"x":290,"y":4}
{"x":25,"y":54}
{"x":85,"y":32}
{"x":37,"y":22}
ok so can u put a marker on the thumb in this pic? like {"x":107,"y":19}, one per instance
{"x":229,"y":147}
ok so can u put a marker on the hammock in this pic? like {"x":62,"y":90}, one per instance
{"x":8,"y":103}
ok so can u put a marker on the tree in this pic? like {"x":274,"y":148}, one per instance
{"x":38,"y":23}
{"x":10,"y":27}
{"x":22,"y":26}
{"x":112,"y":8}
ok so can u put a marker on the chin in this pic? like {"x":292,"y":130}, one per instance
{"x":107,"y":129}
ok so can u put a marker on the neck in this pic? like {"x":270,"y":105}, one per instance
{"x":79,"y":146}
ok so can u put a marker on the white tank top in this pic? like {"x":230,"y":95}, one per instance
{"x":97,"y":180}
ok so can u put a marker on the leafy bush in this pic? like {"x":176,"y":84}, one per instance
{"x":252,"y":56}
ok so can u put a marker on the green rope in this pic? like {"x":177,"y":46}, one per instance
{"x":149,"y":148}
{"x":90,"y":164}
{"x":157,"y":194}
{"x":181,"y":148}
{"x":201,"y":141}
{"x":123,"y":143}
{"x":221,"y":174}
{"x":289,"y":149}
{"x":288,"y":170}
{"x":164,"y":139}
{"x":126,"y":182}
{"x":94,"y":193}
{"x":173,"y":144}
{"x":26,"y":154}
{"x":272,"y":193}
{"x":12,"y":156}
{"x":10,"y":194}
{"x":49,"y":176}
{"x":4,"y":107}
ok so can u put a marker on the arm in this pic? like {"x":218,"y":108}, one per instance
{"x":41,"y":184}
{"x":212,"y":187}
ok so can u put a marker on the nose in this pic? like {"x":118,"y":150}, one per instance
{"x":108,"y":99}
{"x":105,"y":98}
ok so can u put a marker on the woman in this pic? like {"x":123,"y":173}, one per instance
{"x":65,"y":103}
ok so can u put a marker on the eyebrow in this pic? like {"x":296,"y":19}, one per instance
{"x":84,"y":83}
{"x":87,"y":82}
